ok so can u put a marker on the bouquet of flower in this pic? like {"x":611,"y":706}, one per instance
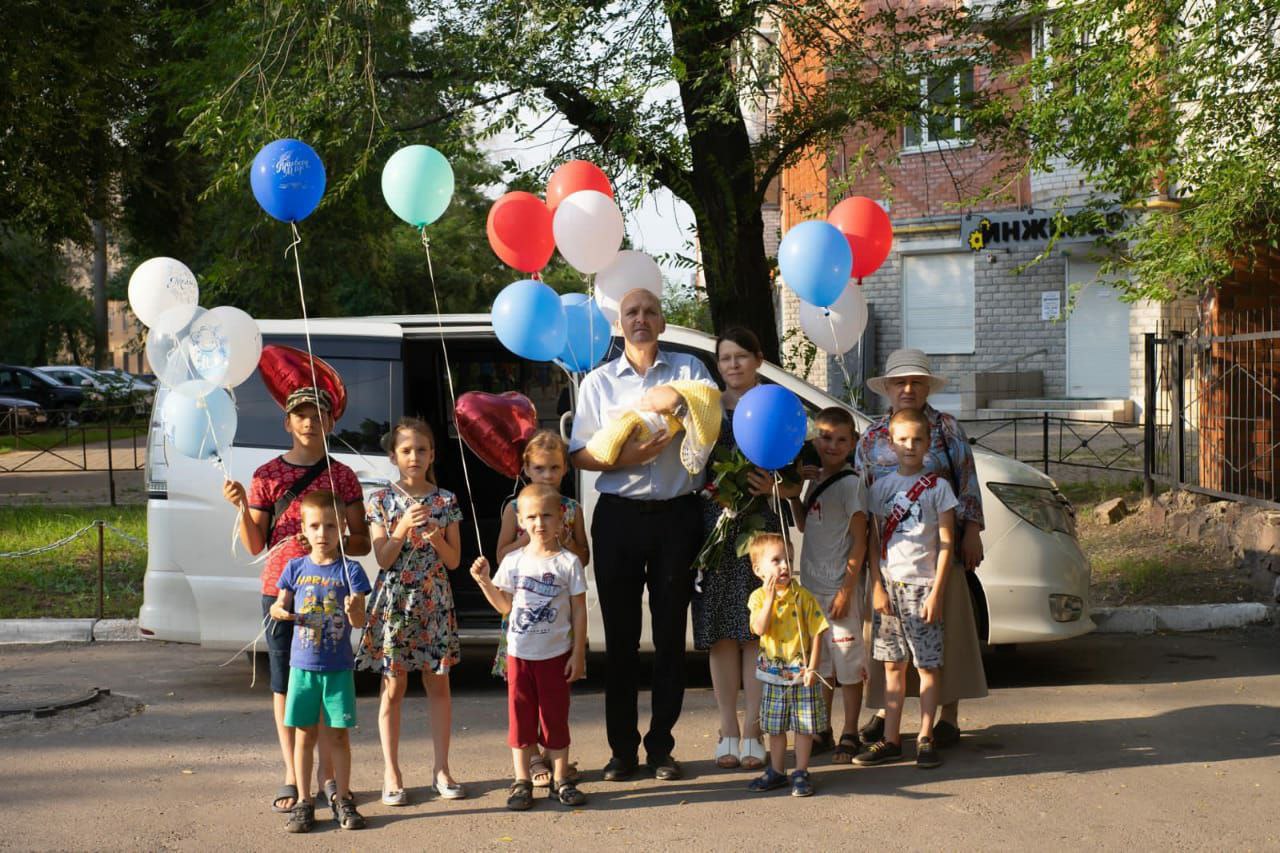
{"x":730,"y":489}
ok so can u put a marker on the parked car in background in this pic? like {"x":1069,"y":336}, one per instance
{"x":62,"y":402}
{"x":133,"y":379}
{"x":102,"y":387}
{"x":17,"y":415}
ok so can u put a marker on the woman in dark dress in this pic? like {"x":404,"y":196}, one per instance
{"x":720,"y":616}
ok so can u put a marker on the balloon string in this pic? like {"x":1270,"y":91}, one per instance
{"x":786,"y":553}
{"x":453,"y":399}
{"x":840,"y":353}
{"x":315,"y":383}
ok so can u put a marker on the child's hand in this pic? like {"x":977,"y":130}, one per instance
{"x":234,"y":494}
{"x":354,"y":608}
{"x":416,"y":516}
{"x":480,"y":571}
{"x":431,"y":532}
{"x":808,"y":676}
{"x":576,"y":668}
{"x":880,"y":600}
{"x":840,"y":604}
{"x":279,"y":614}
{"x":810,"y":472}
{"x":863,"y":674}
{"x":770,"y":585}
{"x":931,"y":610}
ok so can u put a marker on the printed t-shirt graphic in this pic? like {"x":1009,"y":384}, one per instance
{"x":797,"y":619}
{"x":321,"y":634}
{"x":540,"y":588}
{"x":912,"y":548}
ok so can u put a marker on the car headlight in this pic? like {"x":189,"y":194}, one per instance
{"x":1047,"y":509}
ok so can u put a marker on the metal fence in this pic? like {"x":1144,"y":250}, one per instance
{"x":1213,"y":399}
{"x":1043,"y":440}
{"x":105,"y":439}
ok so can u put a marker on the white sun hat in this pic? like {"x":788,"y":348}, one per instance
{"x":906,"y":362}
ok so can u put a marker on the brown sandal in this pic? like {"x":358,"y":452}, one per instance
{"x":847,"y":747}
{"x":540,"y":771}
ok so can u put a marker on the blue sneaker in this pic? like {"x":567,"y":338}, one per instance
{"x":769,"y":780}
{"x":800,"y":784}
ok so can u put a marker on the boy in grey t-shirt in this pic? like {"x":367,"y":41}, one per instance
{"x":915,"y":515}
{"x":833,"y":519}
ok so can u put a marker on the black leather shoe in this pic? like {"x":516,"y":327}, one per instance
{"x":873,"y":731}
{"x":618,"y":770}
{"x":945,"y":734}
{"x":665,"y":769}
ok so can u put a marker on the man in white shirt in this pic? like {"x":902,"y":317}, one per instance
{"x":646,"y":531}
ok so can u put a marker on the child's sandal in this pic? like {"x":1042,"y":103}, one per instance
{"x":521,"y":796}
{"x":540,"y":771}
{"x":344,"y":812}
{"x":846,"y":748}
{"x":302,"y":818}
{"x":567,"y":793}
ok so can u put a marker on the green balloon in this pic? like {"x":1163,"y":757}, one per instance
{"x":417,"y":183}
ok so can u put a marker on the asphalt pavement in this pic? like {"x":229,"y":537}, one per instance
{"x":1107,"y":741}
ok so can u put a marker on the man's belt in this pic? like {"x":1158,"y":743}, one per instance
{"x":646,"y":505}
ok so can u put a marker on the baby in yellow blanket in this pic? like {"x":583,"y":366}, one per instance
{"x":700,"y":424}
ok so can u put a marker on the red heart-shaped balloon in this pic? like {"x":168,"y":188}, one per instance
{"x":497,"y":427}
{"x":286,"y":369}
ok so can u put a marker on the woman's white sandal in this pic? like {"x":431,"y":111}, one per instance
{"x":727,"y":753}
{"x":752,"y":755}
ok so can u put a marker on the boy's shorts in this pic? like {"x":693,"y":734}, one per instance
{"x":843,"y":651}
{"x":538,"y":693}
{"x":905,"y":635}
{"x":279,"y":638}
{"x":313,"y":695}
{"x":793,"y":708}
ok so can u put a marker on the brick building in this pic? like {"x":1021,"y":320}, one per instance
{"x":1053,"y":336}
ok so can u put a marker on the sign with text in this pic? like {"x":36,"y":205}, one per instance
{"x":1050,"y":304}
{"x":1017,"y":229}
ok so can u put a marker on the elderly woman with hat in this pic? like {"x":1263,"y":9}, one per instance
{"x":907,"y":383}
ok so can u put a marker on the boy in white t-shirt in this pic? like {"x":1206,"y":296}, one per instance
{"x":915,"y":515}
{"x":833,"y":518}
{"x":542,"y":589}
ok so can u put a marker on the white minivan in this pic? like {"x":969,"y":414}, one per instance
{"x":201,"y":586}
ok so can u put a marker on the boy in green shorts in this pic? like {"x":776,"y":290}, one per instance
{"x":323,"y":595}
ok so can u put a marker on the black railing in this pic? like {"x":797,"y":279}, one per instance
{"x":1043,"y":440}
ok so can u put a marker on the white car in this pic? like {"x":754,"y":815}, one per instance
{"x":201,"y":587}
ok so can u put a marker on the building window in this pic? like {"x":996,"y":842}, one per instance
{"x":937,"y":303}
{"x":937,"y":123}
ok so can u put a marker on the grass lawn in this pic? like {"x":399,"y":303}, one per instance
{"x":70,"y":437}
{"x":63,"y":582}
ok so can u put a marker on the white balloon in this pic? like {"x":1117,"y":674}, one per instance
{"x":224,"y":346}
{"x":588,"y":229}
{"x":629,"y":270}
{"x":838,"y":328}
{"x":159,"y":285}
{"x":168,"y":352}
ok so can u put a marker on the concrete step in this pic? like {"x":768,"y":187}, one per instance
{"x":1094,"y":415}
{"x":1041,"y":404}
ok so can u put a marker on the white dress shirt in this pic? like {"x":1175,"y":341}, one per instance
{"x":615,"y":387}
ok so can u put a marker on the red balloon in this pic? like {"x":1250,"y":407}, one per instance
{"x":286,"y":369}
{"x":573,"y":176}
{"x":519,"y":229}
{"x":497,"y":427}
{"x":867,"y":228}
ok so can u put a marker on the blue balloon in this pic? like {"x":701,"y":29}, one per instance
{"x":588,"y":332}
{"x":769,"y":426}
{"x":815,"y":261}
{"x":287,"y":179}
{"x":199,"y":427}
{"x":528,"y":318}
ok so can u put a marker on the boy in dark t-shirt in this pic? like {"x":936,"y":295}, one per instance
{"x":308,"y":418}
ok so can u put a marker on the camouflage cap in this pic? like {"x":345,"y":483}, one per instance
{"x":308,"y":394}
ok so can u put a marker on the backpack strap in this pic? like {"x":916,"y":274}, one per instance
{"x":824,"y":485}
{"x":291,"y":494}
{"x":900,"y":510}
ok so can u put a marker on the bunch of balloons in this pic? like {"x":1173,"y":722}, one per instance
{"x":197,"y":355}
{"x":817,"y":260}
{"x":581,"y":219}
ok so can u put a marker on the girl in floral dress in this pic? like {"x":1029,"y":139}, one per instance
{"x":412,"y":626}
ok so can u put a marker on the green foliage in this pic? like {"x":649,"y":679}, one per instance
{"x":40,"y":312}
{"x":1160,"y":100}
{"x":682,"y":305}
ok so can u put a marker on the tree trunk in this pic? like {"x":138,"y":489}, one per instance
{"x":101,"y":344}
{"x":723,"y":176}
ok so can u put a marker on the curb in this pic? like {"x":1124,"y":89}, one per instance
{"x":1183,"y":617}
{"x":36,"y":631}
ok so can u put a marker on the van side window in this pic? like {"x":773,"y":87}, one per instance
{"x":373,"y":402}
